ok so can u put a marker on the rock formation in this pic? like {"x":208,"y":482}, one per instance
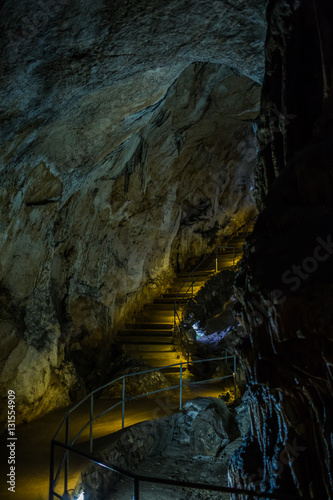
{"x":192,"y":445}
{"x":285,"y":283}
{"x":126,"y":147}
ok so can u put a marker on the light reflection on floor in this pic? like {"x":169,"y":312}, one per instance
{"x":33,"y":439}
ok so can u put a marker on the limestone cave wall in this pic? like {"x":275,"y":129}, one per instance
{"x":127,"y":146}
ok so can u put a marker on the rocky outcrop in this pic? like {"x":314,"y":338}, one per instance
{"x":205,"y":429}
{"x":139,"y":384}
{"x":126,"y":146}
{"x":285,"y":283}
{"x":205,"y":309}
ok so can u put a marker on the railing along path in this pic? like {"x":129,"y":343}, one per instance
{"x":69,"y":444}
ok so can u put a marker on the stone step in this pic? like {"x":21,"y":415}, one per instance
{"x":239,"y":241}
{"x":149,"y":339}
{"x":162,"y":316}
{"x":225,"y":263}
{"x":171,"y":300}
{"x":143,"y":332}
{"x":172,"y":296}
{"x":160,"y":306}
{"x":150,"y":325}
{"x":187,"y":287}
{"x":154,"y":313}
{"x":175,"y":289}
{"x":204,"y":273}
{"x":150,"y":348}
{"x":160,"y":359}
{"x":197,"y":279}
{"x":187,"y":282}
{"x":225,"y":256}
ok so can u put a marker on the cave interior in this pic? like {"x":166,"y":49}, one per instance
{"x":140,"y":141}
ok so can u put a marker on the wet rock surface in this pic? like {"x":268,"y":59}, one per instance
{"x":208,"y":303}
{"x":242,"y":414}
{"x":211,"y":324}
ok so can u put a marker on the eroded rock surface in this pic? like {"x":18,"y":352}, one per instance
{"x":193,"y":445}
{"x":285,"y":282}
{"x":204,"y":310}
{"x":126,"y":146}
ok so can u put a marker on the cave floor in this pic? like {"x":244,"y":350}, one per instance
{"x":34,"y":438}
{"x":199,"y":469}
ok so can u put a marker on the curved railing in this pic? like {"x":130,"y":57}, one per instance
{"x":68,"y":445}
{"x":188,"y":286}
{"x":69,"y":448}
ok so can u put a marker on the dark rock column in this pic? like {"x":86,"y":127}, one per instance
{"x":286,"y":279}
{"x":297,"y":82}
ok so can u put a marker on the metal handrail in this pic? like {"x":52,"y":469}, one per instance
{"x":64,"y":464}
{"x":68,"y":445}
{"x":137,"y":478}
{"x":179,"y":329}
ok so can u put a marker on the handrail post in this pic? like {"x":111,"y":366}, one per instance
{"x":235,"y":388}
{"x":136,"y":491}
{"x":181,"y":386}
{"x":216,"y":259}
{"x":51,"y":488}
{"x":123,"y":406}
{"x":91,"y":422}
{"x":233,"y":257}
{"x":188,"y":352}
{"x":192,"y":285}
{"x":67,"y":456}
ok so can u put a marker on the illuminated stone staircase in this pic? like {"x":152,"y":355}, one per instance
{"x":150,"y":337}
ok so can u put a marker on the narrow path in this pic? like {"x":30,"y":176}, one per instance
{"x":206,"y":470}
{"x":33,"y":439}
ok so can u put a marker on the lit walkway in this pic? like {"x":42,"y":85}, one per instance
{"x":33,"y":439}
{"x":150,"y":337}
{"x":153,"y":328}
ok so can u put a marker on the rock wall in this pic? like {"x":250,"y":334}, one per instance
{"x":285,"y":283}
{"x":207,"y":305}
{"x":126,"y":147}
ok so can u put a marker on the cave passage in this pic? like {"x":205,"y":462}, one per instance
{"x":137,"y":139}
